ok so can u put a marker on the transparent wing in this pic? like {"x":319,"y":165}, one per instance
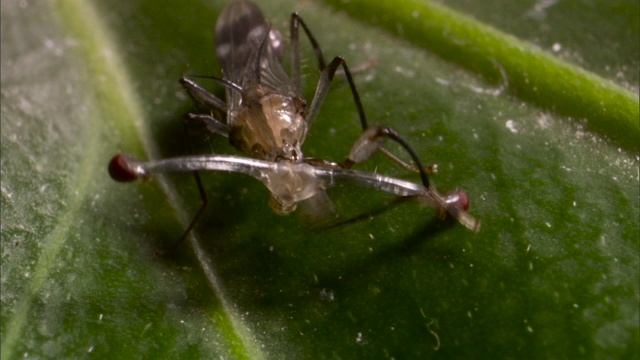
{"x":249,"y":53}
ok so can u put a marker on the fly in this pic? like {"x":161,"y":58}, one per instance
{"x":268,"y":119}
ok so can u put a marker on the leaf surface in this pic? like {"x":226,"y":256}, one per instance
{"x":554,"y":271}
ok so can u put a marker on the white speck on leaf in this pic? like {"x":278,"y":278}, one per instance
{"x":511,"y":125}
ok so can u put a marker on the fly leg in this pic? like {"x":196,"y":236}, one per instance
{"x":204,"y":201}
{"x":372,"y":138}
{"x":377,"y":132}
{"x":296,"y":22}
{"x":207,"y":100}
{"x":201,"y":95}
{"x":454,"y":204}
{"x":326,"y":78}
{"x":203,"y":196}
{"x":371,"y":141}
{"x":368,"y":144}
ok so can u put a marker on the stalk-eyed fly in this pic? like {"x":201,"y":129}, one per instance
{"x":268,"y":119}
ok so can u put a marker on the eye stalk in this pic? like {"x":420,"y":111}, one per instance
{"x":292,"y":183}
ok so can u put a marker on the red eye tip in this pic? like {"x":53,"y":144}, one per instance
{"x":463,"y":201}
{"x":120,"y":169}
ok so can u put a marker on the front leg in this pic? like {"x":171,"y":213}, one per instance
{"x":201,"y":96}
{"x":371,"y":141}
{"x":212,"y":124}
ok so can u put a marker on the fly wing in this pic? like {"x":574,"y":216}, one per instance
{"x":240,"y":30}
{"x":249,"y":52}
{"x":318,"y":210}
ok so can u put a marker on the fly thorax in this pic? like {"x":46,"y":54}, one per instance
{"x":269,"y":126}
{"x":285,"y":119}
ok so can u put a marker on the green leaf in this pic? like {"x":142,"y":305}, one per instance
{"x":526,"y":70}
{"x":553,"y":273}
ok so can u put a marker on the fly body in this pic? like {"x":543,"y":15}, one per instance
{"x":268,"y":119}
